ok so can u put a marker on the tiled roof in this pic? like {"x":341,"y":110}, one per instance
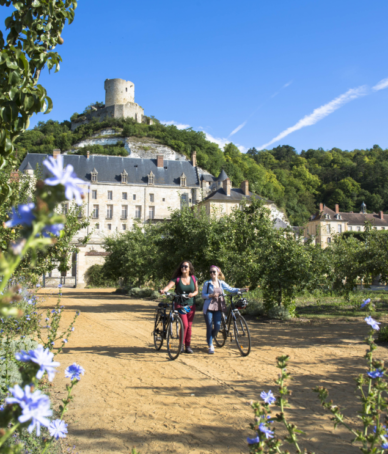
{"x":351,"y":218}
{"x":109,"y":169}
{"x":222,"y":176}
{"x":235,"y":196}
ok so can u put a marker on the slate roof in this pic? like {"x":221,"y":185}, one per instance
{"x":207,"y":177}
{"x":109,"y":169}
{"x":222,"y":176}
{"x":235,"y":196}
{"x":351,"y":218}
{"x":279,"y":224}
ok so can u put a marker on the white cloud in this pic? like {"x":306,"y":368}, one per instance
{"x":320,"y":113}
{"x":238,"y":128}
{"x":221,"y":142}
{"x":178,"y":125}
{"x":287,"y":84}
{"x":381,"y":85}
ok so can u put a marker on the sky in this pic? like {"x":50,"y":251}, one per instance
{"x":256,"y":73}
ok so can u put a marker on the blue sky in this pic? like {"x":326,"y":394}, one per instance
{"x":217,"y":65}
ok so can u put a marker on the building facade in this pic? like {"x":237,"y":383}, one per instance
{"x":326,"y":223}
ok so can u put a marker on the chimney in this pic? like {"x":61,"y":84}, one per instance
{"x":56,"y":153}
{"x":159,"y":161}
{"x":14,"y":176}
{"x":336,"y":208}
{"x":245,"y":187}
{"x":226,"y":184}
{"x":381,"y":215}
{"x":87,"y":154}
{"x":194,"y":158}
{"x":321,"y":207}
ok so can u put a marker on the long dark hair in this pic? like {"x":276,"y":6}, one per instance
{"x":178,"y":271}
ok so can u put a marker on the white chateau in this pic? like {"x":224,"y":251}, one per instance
{"x":143,"y":187}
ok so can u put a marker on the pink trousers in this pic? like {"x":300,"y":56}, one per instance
{"x":187,"y":320}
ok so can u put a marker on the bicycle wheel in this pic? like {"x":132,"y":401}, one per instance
{"x":158,"y":332}
{"x":221,"y":336}
{"x":242,"y":335}
{"x":174,"y":337}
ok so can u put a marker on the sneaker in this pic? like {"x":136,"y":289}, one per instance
{"x":189,"y":350}
{"x":211,"y":350}
{"x":183,"y":349}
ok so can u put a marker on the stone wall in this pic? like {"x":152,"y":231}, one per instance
{"x":119,"y":91}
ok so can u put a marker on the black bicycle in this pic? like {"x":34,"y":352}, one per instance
{"x":240,"y":327}
{"x":168,"y":325}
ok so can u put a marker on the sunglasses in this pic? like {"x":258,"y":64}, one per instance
{"x":184,"y":266}
{"x":213,"y":272}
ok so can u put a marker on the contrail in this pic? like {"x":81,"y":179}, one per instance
{"x":381,"y":85}
{"x":323,"y":111}
{"x":261,"y":105}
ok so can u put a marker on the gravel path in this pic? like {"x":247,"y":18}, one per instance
{"x":132,"y":395}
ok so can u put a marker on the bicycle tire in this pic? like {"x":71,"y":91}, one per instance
{"x":221,"y":336}
{"x":174,"y":337}
{"x":242,"y":335}
{"x":158,"y":332}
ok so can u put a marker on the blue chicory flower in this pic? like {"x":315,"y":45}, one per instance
{"x":55,"y":229}
{"x":42,"y":357}
{"x":370,"y":321}
{"x":66,"y":177}
{"x":266,"y":431}
{"x":35,"y":406}
{"x":73,"y":328}
{"x":365,"y":303}
{"x":58,"y":429}
{"x":252,"y":441}
{"x":64,"y":341}
{"x":1,"y":407}
{"x":268,"y":398}
{"x":378,"y":373}
{"x":38,"y":285}
{"x":53,"y":311}
{"x":74,"y":372}
{"x":384,"y":445}
{"x":21,"y":215}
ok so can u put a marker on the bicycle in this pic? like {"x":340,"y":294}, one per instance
{"x":168,"y":325}
{"x":240,"y":327}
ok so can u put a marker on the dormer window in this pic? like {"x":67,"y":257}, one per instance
{"x":337,"y":216}
{"x":183,"y":180}
{"x":94,"y":175}
{"x":327,"y":216}
{"x":151,"y":179}
{"x":124,"y":176}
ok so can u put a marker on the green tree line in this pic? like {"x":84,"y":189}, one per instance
{"x":295,"y":182}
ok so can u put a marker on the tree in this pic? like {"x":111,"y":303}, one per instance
{"x":35,"y":29}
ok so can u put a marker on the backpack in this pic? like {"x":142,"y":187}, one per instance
{"x":208,"y":284}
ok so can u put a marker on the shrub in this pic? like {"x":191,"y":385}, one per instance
{"x":382,"y":335}
{"x":95,"y":277}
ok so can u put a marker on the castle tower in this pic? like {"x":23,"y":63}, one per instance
{"x":118,"y":91}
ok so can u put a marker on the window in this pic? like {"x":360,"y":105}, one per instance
{"x":65,"y":208}
{"x":329,"y":240}
{"x":94,"y":194}
{"x":124,"y":176}
{"x":109,"y":211}
{"x":124,"y":226}
{"x":163,"y":200}
{"x":339,"y":228}
{"x":124,"y":195}
{"x":184,"y":200}
{"x":382,"y":228}
{"x":110,"y":195}
{"x":151,"y":197}
{"x":328,"y":228}
{"x":109,"y":226}
{"x":183,"y":180}
{"x":350,"y":228}
{"x":134,"y":196}
{"x":151,"y":179}
{"x":94,"y":175}
{"x":152,"y":212}
{"x":97,"y":226}
{"x":80,"y":212}
{"x":124,"y":212}
{"x":358,"y":229}
{"x":95,"y":212}
{"x":138,"y":212}
{"x":316,"y":229}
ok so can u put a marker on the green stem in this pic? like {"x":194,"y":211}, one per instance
{"x":8,"y":433}
{"x":47,"y":445}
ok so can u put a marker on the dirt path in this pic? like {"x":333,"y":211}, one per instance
{"x":132,"y":395}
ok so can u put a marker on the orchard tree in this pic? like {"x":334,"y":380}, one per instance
{"x":34,"y":30}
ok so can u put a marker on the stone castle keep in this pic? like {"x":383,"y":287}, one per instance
{"x":119,"y":103}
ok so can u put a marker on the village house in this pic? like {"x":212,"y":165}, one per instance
{"x":326,"y":223}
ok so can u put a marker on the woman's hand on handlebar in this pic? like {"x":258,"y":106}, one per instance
{"x":245,"y":289}
{"x":162,"y":292}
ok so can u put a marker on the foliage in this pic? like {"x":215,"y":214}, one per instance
{"x":110,"y":150}
{"x":372,"y":387}
{"x":34,"y":31}
{"x":95,"y":277}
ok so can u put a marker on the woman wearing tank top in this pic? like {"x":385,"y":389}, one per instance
{"x":213,"y":294}
{"x":185,"y":282}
